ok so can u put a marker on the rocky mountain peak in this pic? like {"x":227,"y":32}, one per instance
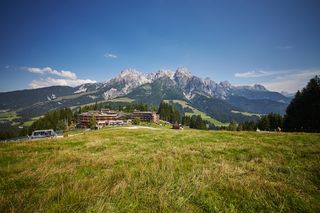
{"x":207,"y":81}
{"x":164,"y":73}
{"x":133,"y":77}
{"x":183,"y":72}
{"x":182,"y":76}
{"x":129,"y":72}
{"x":225,"y":84}
{"x":124,"y":83}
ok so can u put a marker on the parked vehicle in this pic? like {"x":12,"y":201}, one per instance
{"x":46,"y":133}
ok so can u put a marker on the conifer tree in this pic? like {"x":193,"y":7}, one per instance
{"x":92,"y":122}
{"x":168,"y":113}
{"x":303,"y":113}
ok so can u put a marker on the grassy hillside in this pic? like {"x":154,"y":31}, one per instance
{"x":246,"y":113}
{"x":123,"y":99}
{"x":142,"y":170}
{"x":195,"y":111}
{"x":8,"y":116}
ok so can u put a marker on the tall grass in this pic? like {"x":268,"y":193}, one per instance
{"x":146,"y":170}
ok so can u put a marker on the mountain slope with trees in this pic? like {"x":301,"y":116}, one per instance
{"x":214,"y":99}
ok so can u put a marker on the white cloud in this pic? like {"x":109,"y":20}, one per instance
{"x":49,"y":70}
{"x":109,"y":55}
{"x":254,"y":74}
{"x":281,"y":80}
{"x":68,"y":78}
{"x":47,"y":82}
{"x":290,"y":82}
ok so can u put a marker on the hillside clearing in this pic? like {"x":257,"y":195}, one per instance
{"x":8,"y":116}
{"x":246,"y":113}
{"x":30,"y":122}
{"x":195,"y":111}
{"x":141,"y":170}
{"x":123,"y":99}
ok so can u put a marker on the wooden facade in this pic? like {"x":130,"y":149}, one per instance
{"x":146,"y":116}
{"x":104,"y":118}
{"x":84,"y":118}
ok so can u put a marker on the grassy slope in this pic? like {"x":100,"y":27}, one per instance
{"x":30,"y":122}
{"x":204,"y":116}
{"x":8,"y":116}
{"x":120,"y":170}
{"x":123,"y":99}
{"x":246,"y":113}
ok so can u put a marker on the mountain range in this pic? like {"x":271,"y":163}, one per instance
{"x":221,"y":101}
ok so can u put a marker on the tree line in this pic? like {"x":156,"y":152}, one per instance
{"x":57,"y":120}
{"x":124,"y":107}
{"x":195,"y":122}
{"x":269,"y":122}
{"x":168,"y":112}
{"x":302,"y":114}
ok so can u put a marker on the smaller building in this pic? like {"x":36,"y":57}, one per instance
{"x":146,"y":116}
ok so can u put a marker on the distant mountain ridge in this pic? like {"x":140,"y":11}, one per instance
{"x":130,"y":79}
{"x":217,"y":99}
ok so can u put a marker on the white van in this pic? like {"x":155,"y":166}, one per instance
{"x":46,"y":133}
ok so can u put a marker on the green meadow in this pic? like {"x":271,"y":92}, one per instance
{"x":162,"y":170}
{"x":8,"y":116}
{"x":195,"y":111}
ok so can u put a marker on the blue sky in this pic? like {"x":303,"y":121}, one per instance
{"x":273,"y":42}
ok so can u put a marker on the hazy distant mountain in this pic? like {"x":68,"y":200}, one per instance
{"x":219,"y":100}
{"x":287,"y":94}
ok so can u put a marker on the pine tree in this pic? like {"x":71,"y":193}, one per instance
{"x":232,"y":126}
{"x":196,"y":122}
{"x":303,"y":112}
{"x":249,"y":126}
{"x":263,"y":123}
{"x":275,"y":121}
{"x":168,"y":112}
{"x":192,"y":122}
{"x":186,"y":120}
{"x":92,"y":122}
